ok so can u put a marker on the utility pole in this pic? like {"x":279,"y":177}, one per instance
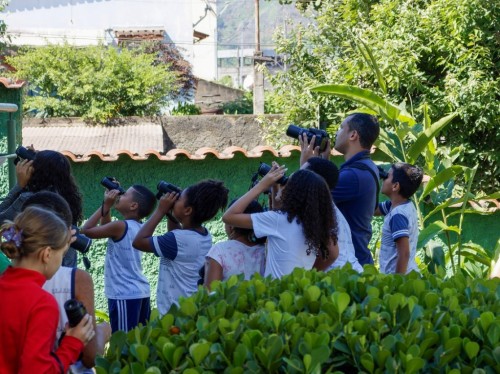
{"x":258,"y":75}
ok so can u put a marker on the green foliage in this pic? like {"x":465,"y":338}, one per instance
{"x":226,"y":80}
{"x":243,"y":105}
{"x":3,"y":26}
{"x":185,"y":109}
{"x":406,"y":141}
{"x":96,"y":83}
{"x":441,"y":52}
{"x":314,"y":322}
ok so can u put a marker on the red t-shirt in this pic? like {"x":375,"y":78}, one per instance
{"x":28,"y":323}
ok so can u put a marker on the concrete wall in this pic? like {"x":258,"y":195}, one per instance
{"x":210,"y":95}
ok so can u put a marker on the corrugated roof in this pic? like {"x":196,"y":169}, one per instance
{"x":139,"y":142}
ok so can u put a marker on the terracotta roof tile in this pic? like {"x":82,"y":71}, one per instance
{"x":139,"y":142}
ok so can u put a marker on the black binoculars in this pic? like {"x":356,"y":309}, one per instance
{"x":24,"y":154}
{"x":165,"y":187}
{"x":75,"y":311}
{"x":321,"y":135}
{"x":111,"y":184}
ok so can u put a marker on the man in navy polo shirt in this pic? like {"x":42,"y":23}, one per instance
{"x":356,"y":191}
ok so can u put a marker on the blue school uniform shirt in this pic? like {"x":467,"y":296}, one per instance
{"x":356,"y":197}
{"x":182,"y":254}
{"x":399,"y":222}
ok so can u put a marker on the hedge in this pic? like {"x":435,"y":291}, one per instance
{"x":313,"y":322}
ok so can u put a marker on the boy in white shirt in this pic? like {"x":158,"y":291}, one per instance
{"x":400,"y":229}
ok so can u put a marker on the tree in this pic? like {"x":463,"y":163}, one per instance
{"x":96,"y":82}
{"x":3,"y":26}
{"x":443,"y":52}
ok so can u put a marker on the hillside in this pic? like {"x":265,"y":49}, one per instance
{"x":236,"y":23}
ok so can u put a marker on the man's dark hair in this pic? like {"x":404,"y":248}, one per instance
{"x":366,"y":126}
{"x":145,"y":199}
{"x":52,"y":201}
{"x":326,"y":169}
{"x":408,"y":176}
{"x":206,"y":198}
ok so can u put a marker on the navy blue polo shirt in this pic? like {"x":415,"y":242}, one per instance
{"x":356,"y":197}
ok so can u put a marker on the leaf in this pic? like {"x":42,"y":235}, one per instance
{"x":341,"y":301}
{"x":432,"y":230}
{"x":365,"y":97}
{"x":427,"y":136}
{"x":440,"y":178}
{"x":367,"y":362}
{"x":472,"y":349}
{"x":141,"y":352}
{"x":368,"y":56}
{"x":313,"y":293}
{"x":199,"y":351}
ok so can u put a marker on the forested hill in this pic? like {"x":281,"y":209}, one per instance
{"x":236,"y":22}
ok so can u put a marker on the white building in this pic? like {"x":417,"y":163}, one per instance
{"x":190,"y":24}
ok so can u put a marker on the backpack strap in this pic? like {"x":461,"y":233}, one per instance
{"x":361,"y":166}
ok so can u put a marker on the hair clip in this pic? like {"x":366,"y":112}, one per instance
{"x":12,"y":235}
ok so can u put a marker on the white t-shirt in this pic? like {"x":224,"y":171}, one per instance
{"x":286,"y":243}
{"x":123,"y":275}
{"x":62,"y":287}
{"x":346,"y":248}
{"x":182,"y":254}
{"x":401,"y":221}
{"x":236,"y":258}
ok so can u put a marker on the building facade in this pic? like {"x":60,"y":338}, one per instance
{"x":190,"y":25}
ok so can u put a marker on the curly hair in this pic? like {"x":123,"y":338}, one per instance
{"x":52,"y":172}
{"x":253,"y":207}
{"x":206,"y":198}
{"x":306,"y":197}
{"x":34,"y":228}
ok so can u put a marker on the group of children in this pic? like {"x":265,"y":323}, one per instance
{"x":303,"y":229}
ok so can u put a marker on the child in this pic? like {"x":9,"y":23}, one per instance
{"x":302,"y":233}
{"x":184,"y":247}
{"x":36,"y":242}
{"x":243,"y":253}
{"x":125,"y":285}
{"x":400,"y":229}
{"x":71,"y":283}
{"x":329,"y":171}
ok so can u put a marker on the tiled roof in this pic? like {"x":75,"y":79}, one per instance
{"x":10,"y":83}
{"x":139,"y":142}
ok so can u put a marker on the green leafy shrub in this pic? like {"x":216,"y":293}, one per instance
{"x":95,"y":82}
{"x":243,"y":105}
{"x":312,"y":322}
{"x":185,"y":109}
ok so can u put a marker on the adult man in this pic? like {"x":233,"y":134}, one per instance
{"x":356,"y":192}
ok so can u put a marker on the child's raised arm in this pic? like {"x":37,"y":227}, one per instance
{"x":234,"y":215}
{"x":102,"y":216}
{"x":141,"y":241}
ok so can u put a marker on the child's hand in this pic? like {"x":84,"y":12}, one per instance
{"x":24,"y":171}
{"x":167,"y":202}
{"x":275,"y":174}
{"x":110,"y":197}
{"x":84,"y":331}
